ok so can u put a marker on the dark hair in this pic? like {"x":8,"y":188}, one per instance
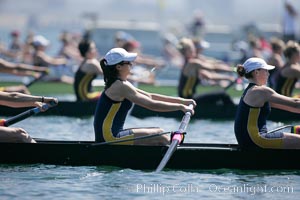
{"x":84,"y":46}
{"x":240,"y":70}
{"x":291,"y":48}
{"x":110,"y":73}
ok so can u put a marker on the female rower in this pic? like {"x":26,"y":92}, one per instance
{"x":289,"y":74}
{"x":195,"y":69}
{"x":41,"y":58}
{"x":117,"y":99}
{"x":254,"y":107}
{"x":276,"y":59}
{"x":88,"y":70}
{"x":15,"y":99}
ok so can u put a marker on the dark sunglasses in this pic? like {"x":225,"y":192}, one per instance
{"x":126,"y":63}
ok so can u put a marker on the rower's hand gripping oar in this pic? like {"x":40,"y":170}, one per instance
{"x":176,"y":139}
{"x":26,"y":114}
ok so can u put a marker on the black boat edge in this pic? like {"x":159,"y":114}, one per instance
{"x":189,"y":156}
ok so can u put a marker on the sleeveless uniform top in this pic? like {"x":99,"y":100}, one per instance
{"x":285,"y":86}
{"x":83,"y":86}
{"x":38,"y":61}
{"x":250,"y":125}
{"x":110,"y":118}
{"x":187,"y":85}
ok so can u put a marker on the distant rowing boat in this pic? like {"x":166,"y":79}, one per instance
{"x":203,"y":111}
{"x":212,"y":111}
{"x":190,"y":156}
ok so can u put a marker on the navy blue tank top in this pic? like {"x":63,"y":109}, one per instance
{"x":187,"y":85}
{"x":250,"y":121}
{"x":109,"y":117}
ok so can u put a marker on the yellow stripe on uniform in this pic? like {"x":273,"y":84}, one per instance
{"x":286,"y":88}
{"x":255,"y":135}
{"x":188,"y":88}
{"x":107,"y":125}
{"x":83,"y":87}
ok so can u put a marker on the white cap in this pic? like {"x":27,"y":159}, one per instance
{"x":256,"y":63}
{"x":40,"y":40}
{"x":117,"y":55}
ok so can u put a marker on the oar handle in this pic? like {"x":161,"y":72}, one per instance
{"x":185,"y":120}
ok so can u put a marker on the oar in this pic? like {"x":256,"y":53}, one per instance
{"x":176,"y":139}
{"x":24,"y":115}
{"x":35,"y":79}
{"x":280,"y":128}
{"x":131,"y":139}
{"x":231,"y":84}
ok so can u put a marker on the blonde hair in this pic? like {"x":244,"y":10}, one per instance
{"x":291,"y":48}
{"x":277,"y":44}
{"x":184,"y":44}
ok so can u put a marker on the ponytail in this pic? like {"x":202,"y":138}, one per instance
{"x":240,"y":70}
{"x":110,"y":73}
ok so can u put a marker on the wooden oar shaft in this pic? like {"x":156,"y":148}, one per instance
{"x":177,"y":138}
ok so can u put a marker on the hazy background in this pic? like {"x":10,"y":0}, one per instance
{"x":49,"y":17}
{"x":62,"y":12}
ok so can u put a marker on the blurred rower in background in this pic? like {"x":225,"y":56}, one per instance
{"x":289,"y":74}
{"x":276,"y":59}
{"x":88,"y":71}
{"x":195,"y":70}
{"x":143,"y":70}
{"x":68,"y":50}
{"x":14,"y":49}
{"x":41,"y":58}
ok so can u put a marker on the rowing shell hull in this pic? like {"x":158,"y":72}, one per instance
{"x":202,"y":111}
{"x":186,"y":157}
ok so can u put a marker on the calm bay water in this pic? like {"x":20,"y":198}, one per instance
{"x":98,"y":182}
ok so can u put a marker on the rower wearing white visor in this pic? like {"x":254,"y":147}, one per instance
{"x":117,"y":99}
{"x":255,"y":106}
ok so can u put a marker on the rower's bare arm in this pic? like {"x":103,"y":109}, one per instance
{"x":284,"y":103}
{"x":215,"y":76}
{"x":200,"y":64}
{"x":51,"y":60}
{"x":143,"y":99}
{"x":295,"y":72}
{"x":15,"y":99}
{"x":170,"y":99}
{"x":92,"y":67}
